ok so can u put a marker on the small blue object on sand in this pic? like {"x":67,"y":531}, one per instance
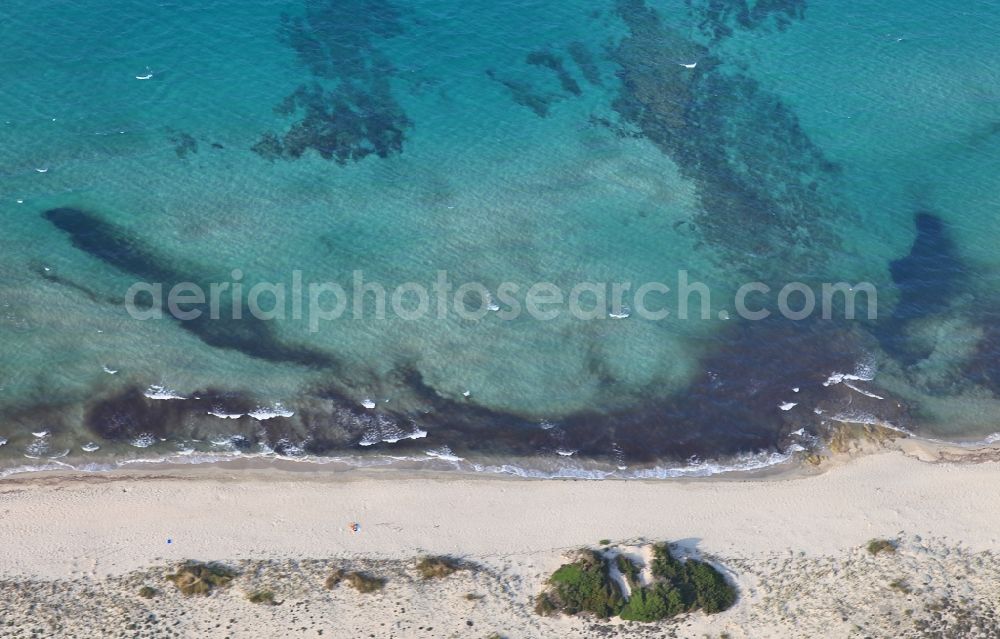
{"x":170,"y":541}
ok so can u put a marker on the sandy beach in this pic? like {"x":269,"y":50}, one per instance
{"x":795,"y":547}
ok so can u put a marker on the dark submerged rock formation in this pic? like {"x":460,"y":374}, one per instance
{"x":719,"y":19}
{"x":539,"y":100}
{"x":114,"y":246}
{"x":184,"y":143}
{"x":984,"y":369}
{"x":345,"y":125}
{"x":927,"y":280}
{"x":928,"y":276}
{"x":753,"y":165}
{"x":348,"y":112}
{"x":524,"y":94}
{"x":584,"y":59}
{"x":554,"y":63}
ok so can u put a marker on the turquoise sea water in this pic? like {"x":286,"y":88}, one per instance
{"x":501,"y":142}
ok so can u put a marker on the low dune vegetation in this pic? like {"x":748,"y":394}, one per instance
{"x":264,"y":597}
{"x":586,"y":586}
{"x":878,"y":546}
{"x":926,"y":588}
{"x":360,"y":581}
{"x":438,"y":567}
{"x":199,"y":578}
{"x":148,"y":592}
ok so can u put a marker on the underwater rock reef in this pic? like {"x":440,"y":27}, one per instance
{"x":118,"y":249}
{"x":348,"y":112}
{"x":753,"y":165}
{"x":584,"y":59}
{"x":541,"y":99}
{"x":942,"y":333}
{"x":719,"y":19}
{"x":554,"y":63}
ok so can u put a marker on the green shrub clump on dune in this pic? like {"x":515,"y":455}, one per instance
{"x":582,"y":586}
{"x":586,"y":586}
{"x":702,"y":586}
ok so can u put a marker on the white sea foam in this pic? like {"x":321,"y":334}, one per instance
{"x":838,"y":378}
{"x":291,"y":449}
{"x":40,"y":434}
{"x":368,"y":403}
{"x":787,"y":405}
{"x":565,"y":453}
{"x":694,"y":468}
{"x":381,"y":429}
{"x":864,"y":371}
{"x":38,"y":448}
{"x":217,"y":412}
{"x":3,"y":440}
{"x":567,"y":469}
{"x":389,"y":435}
{"x":109,"y":371}
{"x":143,"y":441}
{"x":264,"y":450}
{"x":444,"y":453}
{"x":229,"y":442}
{"x":862,"y":417}
{"x":19,"y":470}
{"x":862,"y":391}
{"x":89,"y":447}
{"x":161,"y":392}
{"x":264,"y":413}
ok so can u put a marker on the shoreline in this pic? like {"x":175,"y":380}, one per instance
{"x":794,"y":465}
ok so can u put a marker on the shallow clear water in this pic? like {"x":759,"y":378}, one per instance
{"x":501,"y":142}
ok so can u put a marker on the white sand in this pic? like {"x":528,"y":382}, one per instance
{"x":91,"y":527}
